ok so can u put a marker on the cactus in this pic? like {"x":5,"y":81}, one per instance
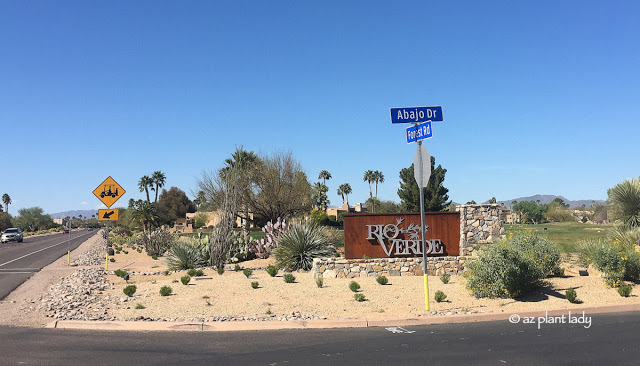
{"x":262,"y":248}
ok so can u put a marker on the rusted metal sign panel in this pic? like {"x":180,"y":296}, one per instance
{"x":398,"y":235}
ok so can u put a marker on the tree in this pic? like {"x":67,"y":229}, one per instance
{"x":369,"y":178}
{"x":384,"y":206}
{"x":159,"y":179}
{"x":345,"y":190}
{"x":144,"y":213}
{"x":472,"y":202}
{"x":435,"y":194}
{"x":32,"y":219}
{"x":242,"y":162}
{"x":144,"y":184}
{"x":7,"y":201}
{"x":275,"y":187}
{"x":324,"y":175}
{"x":378,"y":177}
{"x":5,"y":221}
{"x":319,"y":197}
{"x":534,"y":212}
{"x":173,"y":204}
{"x":492,"y":200}
{"x":560,"y":201}
{"x":623,"y":203}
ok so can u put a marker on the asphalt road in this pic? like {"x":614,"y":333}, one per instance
{"x":612,"y":339}
{"x":19,"y":261}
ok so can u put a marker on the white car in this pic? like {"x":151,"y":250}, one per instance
{"x":10,"y":234}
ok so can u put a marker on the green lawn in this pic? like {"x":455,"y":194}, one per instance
{"x":565,"y":235}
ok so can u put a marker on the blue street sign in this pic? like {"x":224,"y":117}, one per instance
{"x":419,"y":132}
{"x":416,"y":114}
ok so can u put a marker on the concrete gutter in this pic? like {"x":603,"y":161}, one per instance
{"x":326,"y":324}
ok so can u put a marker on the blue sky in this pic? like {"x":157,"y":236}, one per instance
{"x":538,"y":97}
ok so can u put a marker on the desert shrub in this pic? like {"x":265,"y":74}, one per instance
{"x":191,"y":272}
{"x":383,"y":280}
{"x":440,"y":296}
{"x":272,"y":270}
{"x":165,"y":291}
{"x":139,"y":306}
{"x":237,"y":267}
{"x":119,"y":273}
{"x":501,"y":272}
{"x":319,"y":282}
{"x":199,"y":273}
{"x":571,"y":295}
{"x":359,"y":297}
{"x":537,"y":249}
{"x":186,"y":254}
{"x":254,"y":285}
{"x":445,"y":278}
{"x":618,"y":261}
{"x":110,"y":251}
{"x":112,"y":259}
{"x":247,"y":272}
{"x":354,"y":286}
{"x":625,"y":290}
{"x":185,"y":280}
{"x":298,"y":246}
{"x":220,"y":270}
{"x":157,"y":242}
{"x":289,"y":278}
{"x":130,"y":290}
{"x":154,"y":257}
{"x":512,"y":267}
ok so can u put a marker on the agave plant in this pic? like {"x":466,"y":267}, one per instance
{"x":300,"y":245}
{"x":185,"y":254}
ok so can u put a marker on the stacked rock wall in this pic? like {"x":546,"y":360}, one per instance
{"x":479,"y":225}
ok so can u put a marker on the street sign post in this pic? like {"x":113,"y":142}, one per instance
{"x":421,"y":162}
{"x":416,"y":114}
{"x":419,"y":132}
{"x":108,"y":192}
{"x":108,"y":215}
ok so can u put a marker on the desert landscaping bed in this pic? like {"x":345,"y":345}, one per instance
{"x":230,"y":296}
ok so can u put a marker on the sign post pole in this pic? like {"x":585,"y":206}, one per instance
{"x":424,"y":242}
{"x":69,"y":246}
{"x":106,"y":261}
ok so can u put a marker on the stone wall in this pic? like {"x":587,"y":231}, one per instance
{"x":479,"y":225}
{"x":352,"y":268}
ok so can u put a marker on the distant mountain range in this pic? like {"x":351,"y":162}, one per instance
{"x":547,"y":198}
{"x":76,"y":213}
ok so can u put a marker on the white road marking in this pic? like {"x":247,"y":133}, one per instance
{"x":39,"y":250}
{"x":1,"y":273}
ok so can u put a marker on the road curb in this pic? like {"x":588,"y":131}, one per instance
{"x":325,"y":324}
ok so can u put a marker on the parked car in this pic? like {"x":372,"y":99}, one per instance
{"x":65,"y":231}
{"x":10,"y":234}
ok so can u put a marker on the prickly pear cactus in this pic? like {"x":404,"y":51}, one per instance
{"x":262,"y":248}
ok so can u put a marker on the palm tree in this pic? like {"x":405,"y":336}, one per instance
{"x":368,"y":177}
{"x":145,"y":213}
{"x":144,"y":184}
{"x":324,"y":175}
{"x":7,"y":201}
{"x":159,"y":179}
{"x":241,"y":160}
{"x":378,"y":177}
{"x":345,"y":190}
{"x":624,"y":203}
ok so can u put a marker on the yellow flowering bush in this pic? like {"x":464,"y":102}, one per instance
{"x":617,"y":260}
{"x":512,"y":267}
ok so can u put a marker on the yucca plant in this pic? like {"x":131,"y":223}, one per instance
{"x":624,"y":203}
{"x":185,"y":255}
{"x":300,"y":245}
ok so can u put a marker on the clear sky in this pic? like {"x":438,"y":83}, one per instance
{"x":538,"y":96}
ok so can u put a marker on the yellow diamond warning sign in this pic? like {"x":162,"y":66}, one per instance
{"x":108,"y":215}
{"x":109,"y":192}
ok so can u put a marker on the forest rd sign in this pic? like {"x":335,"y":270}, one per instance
{"x":109,"y":191}
{"x":416,"y":114}
{"x":419,"y":132}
